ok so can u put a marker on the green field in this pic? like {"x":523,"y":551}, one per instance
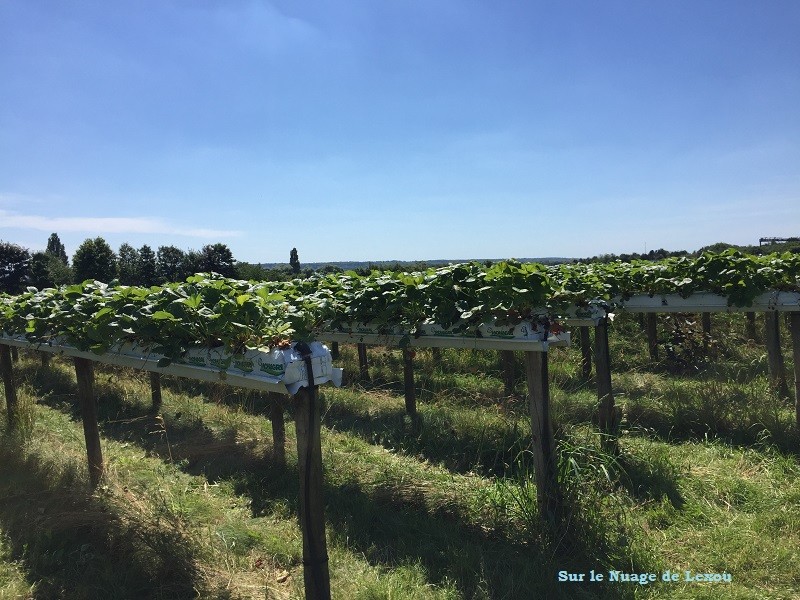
{"x":193,"y":505}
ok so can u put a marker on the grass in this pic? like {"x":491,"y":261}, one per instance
{"x":194,"y":505}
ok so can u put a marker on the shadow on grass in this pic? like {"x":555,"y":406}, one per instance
{"x":122,"y":420}
{"x":390,"y":525}
{"x":74,"y":545}
{"x":392,"y":530}
{"x":490,"y":451}
{"x":481,"y":380}
{"x":393,"y":525}
{"x":683,"y":421}
{"x":651,"y":479}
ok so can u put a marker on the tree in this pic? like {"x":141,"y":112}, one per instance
{"x":56,"y":248}
{"x":94,"y":259}
{"x":717,"y":247}
{"x":47,"y":270}
{"x":251,"y":272}
{"x":294,"y":261}
{"x":14,"y":267}
{"x":258,"y":273}
{"x":128,"y":265}
{"x":330,"y":269}
{"x":147,"y":266}
{"x":193,"y":263}
{"x":219,"y":259}
{"x":171,"y":264}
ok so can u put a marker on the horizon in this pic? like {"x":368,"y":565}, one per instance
{"x":552,"y":257}
{"x":399,"y":129}
{"x":544,"y":259}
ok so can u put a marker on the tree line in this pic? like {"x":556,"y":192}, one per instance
{"x":661,"y":254}
{"x":95,"y":259}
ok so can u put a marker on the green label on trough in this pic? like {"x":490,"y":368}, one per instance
{"x":271,"y":368}
{"x":500,"y":333}
{"x":220,"y":363}
{"x":243,"y":364}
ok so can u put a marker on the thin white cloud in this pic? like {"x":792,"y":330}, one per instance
{"x":105,"y":225}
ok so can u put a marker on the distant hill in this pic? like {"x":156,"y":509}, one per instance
{"x":381,"y":264}
{"x":789,"y":245}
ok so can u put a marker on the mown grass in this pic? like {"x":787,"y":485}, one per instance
{"x":194,"y":505}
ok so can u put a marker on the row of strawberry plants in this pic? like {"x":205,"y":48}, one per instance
{"x":204,"y":311}
{"x":212,"y":311}
{"x":737,"y":276}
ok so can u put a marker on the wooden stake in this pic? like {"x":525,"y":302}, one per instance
{"x":777,"y":368}
{"x":84,"y":371}
{"x":9,"y":386}
{"x":652,"y":336}
{"x":548,"y":494}
{"x":750,"y":326}
{"x":312,"y":507}
{"x":436,"y":355}
{"x":507,"y":363}
{"x":794,"y":330}
{"x":705,"y":319}
{"x":335,"y":350}
{"x":14,"y":353}
{"x":278,"y":428}
{"x":155,"y":392}
{"x":605,"y":395}
{"x":363,"y":367}
{"x":586,"y":352}
{"x":45,"y":356}
{"x":408,"y":382}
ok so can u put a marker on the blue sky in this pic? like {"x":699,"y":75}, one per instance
{"x":400,"y":130}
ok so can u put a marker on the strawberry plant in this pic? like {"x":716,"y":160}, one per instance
{"x":211,"y":311}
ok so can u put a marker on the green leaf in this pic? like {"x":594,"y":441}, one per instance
{"x":161,"y":315}
{"x":103,"y":312}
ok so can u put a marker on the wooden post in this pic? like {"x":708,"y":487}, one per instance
{"x":543,"y":444}
{"x":363,"y":367}
{"x":777,"y":368}
{"x":14,"y":353}
{"x":652,"y":336}
{"x":278,"y":428}
{"x":9,"y":386}
{"x":436,"y":355}
{"x":586,"y":351}
{"x":705,"y":319}
{"x":605,"y":395}
{"x":794,"y":330}
{"x":750,"y":326}
{"x":84,"y":372}
{"x":335,"y":350}
{"x":507,"y":363}
{"x":45,"y":356}
{"x":408,"y":382}
{"x":155,"y":392}
{"x":312,"y":506}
